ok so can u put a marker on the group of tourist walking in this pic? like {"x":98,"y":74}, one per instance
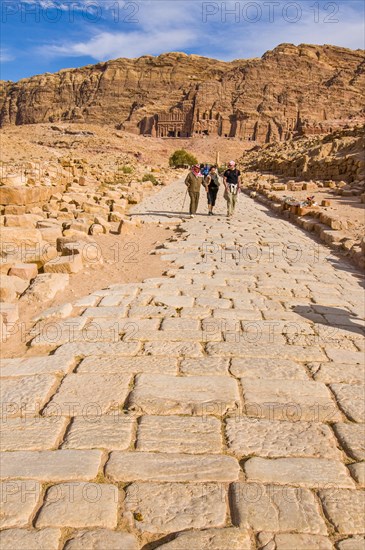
{"x":208,"y":177}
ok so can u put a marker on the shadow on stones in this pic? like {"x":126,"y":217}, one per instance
{"x":345,"y":318}
{"x":157,"y":543}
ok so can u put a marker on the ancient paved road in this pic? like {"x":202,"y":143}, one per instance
{"x":216,"y":408}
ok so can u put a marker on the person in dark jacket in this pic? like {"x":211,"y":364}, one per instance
{"x":194,"y":180}
{"x":232,"y":184}
{"x":211,"y":186}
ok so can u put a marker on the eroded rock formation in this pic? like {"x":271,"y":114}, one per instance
{"x":291,"y":90}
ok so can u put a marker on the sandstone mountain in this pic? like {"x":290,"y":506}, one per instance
{"x":291,"y":90}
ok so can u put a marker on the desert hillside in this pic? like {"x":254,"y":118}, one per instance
{"x":291,"y":90}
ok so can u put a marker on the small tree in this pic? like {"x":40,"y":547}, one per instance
{"x":182,"y":158}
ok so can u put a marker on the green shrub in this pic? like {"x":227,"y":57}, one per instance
{"x":150,"y":177}
{"x":126,"y":169}
{"x":182,"y":158}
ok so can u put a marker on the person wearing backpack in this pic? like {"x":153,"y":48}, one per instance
{"x":193,"y":181}
{"x":232,"y":184}
{"x":211,"y":186}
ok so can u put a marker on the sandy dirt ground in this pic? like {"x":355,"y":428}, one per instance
{"x":126,"y":259}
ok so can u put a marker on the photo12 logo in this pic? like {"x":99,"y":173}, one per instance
{"x":51,"y":11}
{"x":270,"y":12}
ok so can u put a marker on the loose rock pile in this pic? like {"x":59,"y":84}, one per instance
{"x":336,"y":157}
{"x":49,"y":217}
{"x":331,"y":228}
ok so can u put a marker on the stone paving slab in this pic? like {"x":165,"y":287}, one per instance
{"x":286,"y":541}
{"x":211,"y":539}
{"x":268,"y":369}
{"x":173,"y":434}
{"x":344,"y":509}
{"x":353,"y":543}
{"x":31,"y":434}
{"x":274,"y":439}
{"x":351,"y":400}
{"x":278,"y":509}
{"x":337,"y":373}
{"x":127,"y":365}
{"x":85,"y":349}
{"x":36,"y":365}
{"x":19,"y":500}
{"x":171,"y":467}
{"x":100,"y":432}
{"x":27,"y":395}
{"x":289,"y":400}
{"x":352,"y":439}
{"x":277,"y":351}
{"x":89,"y":394}
{"x":104,"y":539}
{"x":358,"y":473}
{"x":173,"y":349}
{"x":50,"y":465}
{"x":30,"y":539}
{"x":169,"y":507}
{"x":204,"y":395}
{"x":205,"y":366}
{"x":79,"y":505}
{"x":302,"y":472}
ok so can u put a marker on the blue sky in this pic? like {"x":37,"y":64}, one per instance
{"x":48,"y":35}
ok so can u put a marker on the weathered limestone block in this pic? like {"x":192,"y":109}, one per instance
{"x":16,"y":510}
{"x":140,"y":466}
{"x":31,"y":434}
{"x":89,"y":395}
{"x":274,"y":439}
{"x":108,"y":432}
{"x":7,"y":289}
{"x":102,"y":539}
{"x":210,"y":539}
{"x":351,"y":399}
{"x":288,"y":400}
{"x":304,"y":472}
{"x":24,"y":271}
{"x":204,"y":366}
{"x":352,"y":439}
{"x":91,"y":505}
{"x":28,"y":366}
{"x":43,"y":539}
{"x":271,"y":508}
{"x":353,"y":543}
{"x":46,"y":285}
{"x":179,"y":434}
{"x":64,"y":264}
{"x":9,"y":312}
{"x":288,"y":541}
{"x":267,"y":368}
{"x":173,"y":349}
{"x":358,"y":473}
{"x":51,"y":465}
{"x":27,"y":395}
{"x":337,"y":373}
{"x":169,"y":507}
{"x":345,"y":509}
{"x":163,"y":394}
{"x":128,"y":365}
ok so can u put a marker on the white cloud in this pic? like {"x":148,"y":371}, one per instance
{"x":5,"y":55}
{"x":106,"y":45}
{"x":172,"y":25}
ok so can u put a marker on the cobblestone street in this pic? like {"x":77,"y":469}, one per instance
{"x":219,"y":407}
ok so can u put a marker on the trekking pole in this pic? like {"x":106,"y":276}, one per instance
{"x":186,"y":192}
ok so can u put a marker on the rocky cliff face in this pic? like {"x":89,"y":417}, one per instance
{"x":291,"y":90}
